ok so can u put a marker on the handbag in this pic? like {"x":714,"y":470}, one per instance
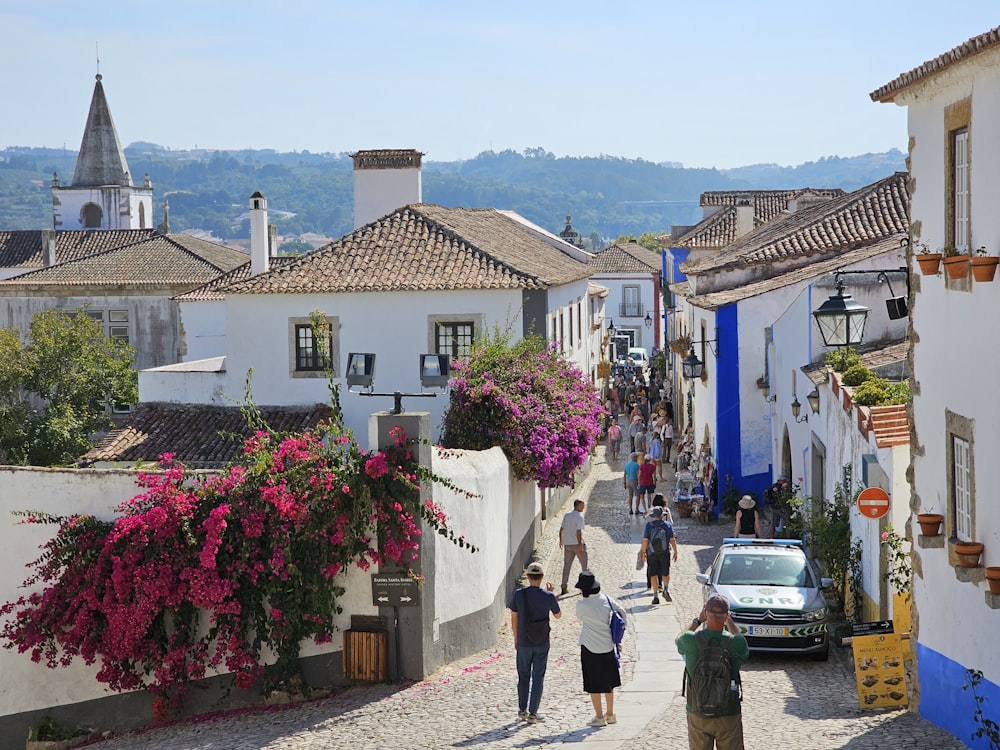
{"x":617,"y":624}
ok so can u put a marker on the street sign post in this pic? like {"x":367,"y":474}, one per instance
{"x":394,"y":590}
{"x":873,"y":502}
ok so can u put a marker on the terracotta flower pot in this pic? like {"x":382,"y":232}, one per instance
{"x":930,"y":523}
{"x":930,"y":263}
{"x":957,"y":266}
{"x":984,"y":267}
{"x":993,"y":578}
{"x":968,"y":553}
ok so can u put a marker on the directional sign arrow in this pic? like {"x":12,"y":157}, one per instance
{"x":383,"y":598}
{"x":406,"y":598}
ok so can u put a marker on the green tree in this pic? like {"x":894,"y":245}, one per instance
{"x":294,"y":247}
{"x":56,"y":385}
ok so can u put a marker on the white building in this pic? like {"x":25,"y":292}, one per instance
{"x":953,"y":111}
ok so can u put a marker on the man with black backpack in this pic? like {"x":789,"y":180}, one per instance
{"x":712,"y":659}
{"x":656,"y":542}
{"x":529,"y":619}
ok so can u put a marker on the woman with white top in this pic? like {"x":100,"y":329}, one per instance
{"x":598,"y":653}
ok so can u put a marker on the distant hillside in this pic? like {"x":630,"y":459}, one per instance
{"x":606,"y":196}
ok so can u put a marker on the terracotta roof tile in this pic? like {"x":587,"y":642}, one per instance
{"x":720,"y":229}
{"x":23,"y":249}
{"x":868,"y":214}
{"x":628,"y":257}
{"x":212,"y":291}
{"x":197,"y":434}
{"x":155,"y":262}
{"x":977,"y":44}
{"x":425,"y":247}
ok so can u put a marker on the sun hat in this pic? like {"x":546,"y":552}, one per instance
{"x":747,"y":502}
{"x":717,"y":604}
{"x":534,"y":569}
{"x":587,"y":583}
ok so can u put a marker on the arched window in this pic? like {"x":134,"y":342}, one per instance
{"x":91,"y":216}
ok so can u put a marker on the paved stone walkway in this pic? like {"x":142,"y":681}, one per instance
{"x":788,"y":702}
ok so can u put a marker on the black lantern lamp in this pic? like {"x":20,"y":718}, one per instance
{"x":797,"y":409}
{"x":841,"y":320}
{"x":691,"y":366}
{"x":813,"y":398}
{"x":611,"y":328}
{"x":648,"y":321}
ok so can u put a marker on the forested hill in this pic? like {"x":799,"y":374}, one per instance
{"x":606,"y":196}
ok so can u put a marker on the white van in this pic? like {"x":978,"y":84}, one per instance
{"x":639,"y":356}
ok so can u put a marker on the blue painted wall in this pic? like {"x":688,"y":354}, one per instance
{"x":943,"y":701}
{"x":729,"y":437}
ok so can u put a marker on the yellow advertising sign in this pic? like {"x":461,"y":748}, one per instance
{"x":879,"y":671}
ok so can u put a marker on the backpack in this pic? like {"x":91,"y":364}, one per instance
{"x":536,"y":629}
{"x":658,"y":538}
{"x":712,"y":689}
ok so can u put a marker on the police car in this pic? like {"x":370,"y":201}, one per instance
{"x":775,"y":596}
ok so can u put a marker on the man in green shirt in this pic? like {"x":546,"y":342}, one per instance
{"x":720,"y":731}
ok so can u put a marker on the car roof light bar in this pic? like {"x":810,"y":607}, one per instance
{"x":784,"y":542}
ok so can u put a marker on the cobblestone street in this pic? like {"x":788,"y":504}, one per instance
{"x":788,"y":702}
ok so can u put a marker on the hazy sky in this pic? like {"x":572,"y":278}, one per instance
{"x":721,"y":83}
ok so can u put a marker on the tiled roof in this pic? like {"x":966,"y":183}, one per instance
{"x":212,"y":291}
{"x":425,"y":247}
{"x":866,"y":215}
{"x":192,"y":432}
{"x":782,"y":278}
{"x":23,"y":249}
{"x":977,"y":44}
{"x":101,"y":160}
{"x":719,"y":229}
{"x":156,"y":262}
{"x":628,"y":257}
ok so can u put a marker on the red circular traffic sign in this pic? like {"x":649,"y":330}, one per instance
{"x":873,"y":502}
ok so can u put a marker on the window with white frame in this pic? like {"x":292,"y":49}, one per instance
{"x":631,"y":302}
{"x":960,"y":189}
{"x":962,"y":487}
{"x":307,"y":359}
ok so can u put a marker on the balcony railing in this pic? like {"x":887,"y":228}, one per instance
{"x":631,"y":310}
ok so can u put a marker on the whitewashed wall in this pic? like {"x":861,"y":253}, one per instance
{"x":203,"y":329}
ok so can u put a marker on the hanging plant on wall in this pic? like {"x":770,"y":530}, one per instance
{"x":681,"y":345}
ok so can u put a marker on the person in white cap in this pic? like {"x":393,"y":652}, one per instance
{"x":529,"y":620}
{"x":747,"y":519}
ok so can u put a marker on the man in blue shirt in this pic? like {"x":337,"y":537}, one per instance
{"x":529,"y":621}
{"x":631,"y":483}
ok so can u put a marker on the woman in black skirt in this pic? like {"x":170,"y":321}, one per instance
{"x":598,"y":654}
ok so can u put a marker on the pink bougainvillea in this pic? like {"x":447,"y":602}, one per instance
{"x":207,"y":574}
{"x":527,"y":399}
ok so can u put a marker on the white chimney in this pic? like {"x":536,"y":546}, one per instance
{"x":744,"y":215}
{"x":259,"y":254}
{"x":384,"y":180}
{"x":49,"y":247}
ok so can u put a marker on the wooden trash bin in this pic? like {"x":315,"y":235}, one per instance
{"x":366,"y":650}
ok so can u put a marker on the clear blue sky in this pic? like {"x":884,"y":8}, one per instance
{"x":707,"y":84}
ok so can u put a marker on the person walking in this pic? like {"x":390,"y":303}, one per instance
{"x":598,"y":655}
{"x":747,"y":519}
{"x":630,"y":480}
{"x":667,"y":436}
{"x":529,"y":621}
{"x":657,"y":539}
{"x":714,"y":716}
{"x":647,"y":482}
{"x":641,"y":444}
{"x":614,"y":439}
{"x":656,"y":453}
{"x":571,"y":542}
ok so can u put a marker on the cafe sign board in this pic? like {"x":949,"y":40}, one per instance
{"x":879,"y":671}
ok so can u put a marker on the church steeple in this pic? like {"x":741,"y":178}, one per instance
{"x":102,"y":195}
{"x":101,"y":160}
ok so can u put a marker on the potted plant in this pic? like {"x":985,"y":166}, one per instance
{"x":984,"y":267}
{"x":680,"y":345}
{"x":968,"y":553}
{"x":930,"y":263}
{"x":956,"y":263}
{"x":993,"y":578}
{"x":930,"y":523}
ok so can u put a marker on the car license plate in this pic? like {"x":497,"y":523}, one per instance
{"x":768,"y":631}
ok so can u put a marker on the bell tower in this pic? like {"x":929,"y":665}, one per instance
{"x":102,"y":195}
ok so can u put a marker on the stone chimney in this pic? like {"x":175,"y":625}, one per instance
{"x":805,"y":199}
{"x":384,"y":180}
{"x":744,"y":214}
{"x":260,"y":256}
{"x":49,"y":247}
